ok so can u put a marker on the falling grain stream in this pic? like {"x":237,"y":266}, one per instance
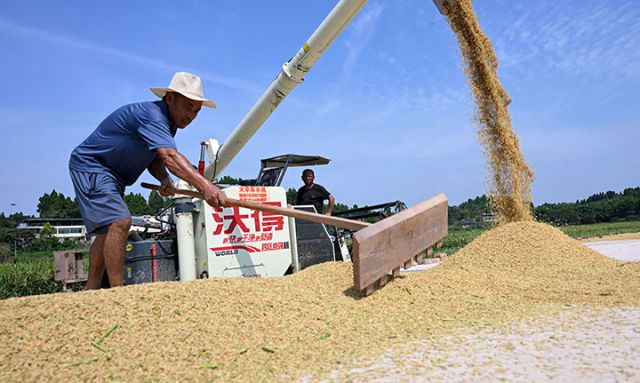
{"x":511,"y":177}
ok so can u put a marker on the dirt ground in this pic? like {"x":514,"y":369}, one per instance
{"x":581,"y":344}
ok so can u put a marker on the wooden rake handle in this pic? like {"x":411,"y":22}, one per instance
{"x":312,"y":217}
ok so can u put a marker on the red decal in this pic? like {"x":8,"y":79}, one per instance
{"x":251,"y":249}
{"x":275,"y":246}
{"x":262,"y":221}
{"x":154,"y":263}
{"x":234,"y":220}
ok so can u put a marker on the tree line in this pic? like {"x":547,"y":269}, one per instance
{"x":603,"y":207}
{"x":608,"y":206}
{"x":57,"y":205}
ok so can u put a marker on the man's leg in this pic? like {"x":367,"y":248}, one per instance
{"x":96,"y":263}
{"x":105,"y":213}
{"x":113,"y":250}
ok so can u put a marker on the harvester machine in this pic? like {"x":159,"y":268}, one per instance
{"x":241,"y":241}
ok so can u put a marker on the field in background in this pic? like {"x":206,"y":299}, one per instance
{"x":459,"y":238}
{"x":32,"y":273}
{"x":601,"y":229}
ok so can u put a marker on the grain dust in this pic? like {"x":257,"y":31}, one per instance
{"x":279,"y":329}
{"x":511,"y":177}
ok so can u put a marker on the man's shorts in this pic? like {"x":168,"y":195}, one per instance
{"x":101,"y":200}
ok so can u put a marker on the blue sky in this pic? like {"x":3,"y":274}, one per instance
{"x":387,"y":102}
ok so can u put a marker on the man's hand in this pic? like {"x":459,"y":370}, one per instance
{"x":214,"y":196}
{"x":179,"y":166}
{"x":167,"y":188}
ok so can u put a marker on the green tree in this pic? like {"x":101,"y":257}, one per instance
{"x":11,"y":221}
{"x":292,"y":196}
{"x":72,"y":208}
{"x":340,"y":207}
{"x":136,"y":203}
{"x":472,"y":209}
{"x":226,"y":180}
{"x":156,"y":203}
{"x":47,"y":230}
{"x":600,"y":207}
{"x":56,"y":205}
{"x":12,"y":236}
{"x":46,"y":241}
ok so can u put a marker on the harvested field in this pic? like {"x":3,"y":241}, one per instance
{"x":278,"y":329}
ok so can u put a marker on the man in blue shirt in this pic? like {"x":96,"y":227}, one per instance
{"x":133,"y":138}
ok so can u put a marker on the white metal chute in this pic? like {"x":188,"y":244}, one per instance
{"x":184,"y":232}
{"x":292,"y":73}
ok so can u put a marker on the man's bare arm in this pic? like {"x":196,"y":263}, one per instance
{"x":157,"y":169}
{"x":331,"y":203}
{"x":180,"y":166}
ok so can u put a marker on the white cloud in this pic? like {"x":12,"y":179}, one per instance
{"x":77,"y":44}
{"x":360,"y":33}
{"x":581,"y":38}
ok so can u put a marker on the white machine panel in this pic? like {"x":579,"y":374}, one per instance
{"x":237,"y":241}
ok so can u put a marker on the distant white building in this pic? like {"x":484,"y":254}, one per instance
{"x":73,"y":228}
{"x":489,"y":217}
{"x":467,"y":223}
{"x":65,"y":228}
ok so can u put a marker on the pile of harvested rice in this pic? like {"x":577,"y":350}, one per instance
{"x":511,"y":177}
{"x":252,"y":329}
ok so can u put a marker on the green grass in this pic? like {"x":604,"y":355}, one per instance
{"x":601,"y":229}
{"x":30,"y":273}
{"x":27,"y":275}
{"x":459,"y":238}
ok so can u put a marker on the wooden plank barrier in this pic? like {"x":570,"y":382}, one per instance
{"x":400,"y":240}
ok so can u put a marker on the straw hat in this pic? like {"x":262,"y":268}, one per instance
{"x":188,"y":85}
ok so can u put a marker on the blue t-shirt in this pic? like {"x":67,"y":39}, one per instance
{"x":124,"y":143}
